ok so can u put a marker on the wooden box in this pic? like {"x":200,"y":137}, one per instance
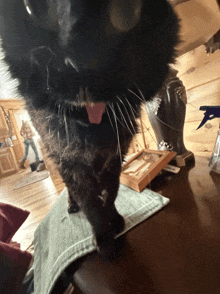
{"x":143,"y":167}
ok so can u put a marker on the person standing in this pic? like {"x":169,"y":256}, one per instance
{"x":27,"y":133}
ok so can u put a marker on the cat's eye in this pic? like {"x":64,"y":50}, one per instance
{"x":36,"y":8}
{"x":44,"y":13}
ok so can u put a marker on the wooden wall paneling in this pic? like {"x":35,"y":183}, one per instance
{"x":208,"y":94}
{"x":207,"y":88}
{"x":12,"y":106}
{"x":202,"y":140}
{"x":3,"y":127}
{"x":3,"y":124}
{"x":198,"y":68}
{"x":199,"y":22}
{"x":193,"y":114}
{"x":8,"y":164}
{"x":18,"y":143}
{"x":200,"y":74}
{"x":194,"y":59}
{"x":3,"y":135}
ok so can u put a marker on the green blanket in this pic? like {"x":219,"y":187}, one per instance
{"x":62,"y":238}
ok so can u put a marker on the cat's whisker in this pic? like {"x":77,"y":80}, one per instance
{"x":58,"y":138}
{"x":59,"y":109}
{"x":132,"y":109}
{"x":109,"y":118}
{"x":142,"y":95}
{"x":66,"y":129}
{"x":50,"y":138}
{"x":140,"y":98}
{"x":116,"y":115}
{"x":134,"y":119}
{"x":127,"y":114}
{"x":147,"y":129}
{"x":119,"y":145}
{"x":48,"y":76}
{"x":125,"y":119}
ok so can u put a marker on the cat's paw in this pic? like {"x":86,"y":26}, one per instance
{"x":109,"y":247}
{"x":117,"y":224}
{"x":106,"y":244}
{"x":73,"y":208}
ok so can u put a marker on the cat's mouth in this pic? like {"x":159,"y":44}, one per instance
{"x":84,"y":101}
{"x":94,"y":111}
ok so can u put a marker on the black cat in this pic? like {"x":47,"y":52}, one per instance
{"x":84,"y":69}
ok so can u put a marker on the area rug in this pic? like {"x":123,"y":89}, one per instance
{"x":31,"y":178}
{"x":61,"y":238}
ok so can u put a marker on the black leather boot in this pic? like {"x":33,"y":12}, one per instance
{"x":167,"y":116}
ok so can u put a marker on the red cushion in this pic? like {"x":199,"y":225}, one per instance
{"x":14,"y":262}
{"x":11,"y":218}
{"x":14,"y":265}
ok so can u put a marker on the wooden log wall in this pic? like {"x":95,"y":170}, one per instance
{"x":200,"y":74}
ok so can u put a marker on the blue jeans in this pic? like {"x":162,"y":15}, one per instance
{"x":27,"y":143}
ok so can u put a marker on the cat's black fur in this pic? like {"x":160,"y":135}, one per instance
{"x":66,"y":53}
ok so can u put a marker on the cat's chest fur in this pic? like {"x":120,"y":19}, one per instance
{"x":84,"y":67}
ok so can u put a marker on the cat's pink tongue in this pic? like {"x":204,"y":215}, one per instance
{"x":95,"y":112}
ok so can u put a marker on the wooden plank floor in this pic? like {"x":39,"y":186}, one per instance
{"x":38,"y":198}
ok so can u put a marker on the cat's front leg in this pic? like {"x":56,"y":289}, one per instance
{"x":107,"y":222}
{"x":110,"y":180}
{"x":86,"y":190}
{"x":73,"y":207}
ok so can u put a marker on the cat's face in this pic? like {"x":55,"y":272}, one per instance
{"x":75,"y":52}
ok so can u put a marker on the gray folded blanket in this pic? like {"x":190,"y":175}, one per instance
{"x":61,"y":238}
